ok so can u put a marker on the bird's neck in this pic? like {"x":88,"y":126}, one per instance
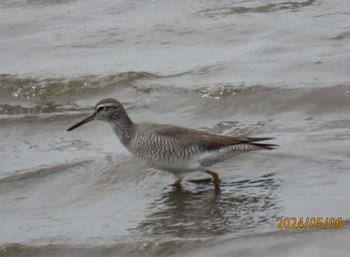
{"x":124,"y":128}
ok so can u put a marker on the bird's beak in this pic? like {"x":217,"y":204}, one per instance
{"x":86,"y":120}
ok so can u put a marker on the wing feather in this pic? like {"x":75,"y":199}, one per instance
{"x":207,"y":141}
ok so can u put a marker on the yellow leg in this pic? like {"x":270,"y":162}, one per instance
{"x":215,"y":178}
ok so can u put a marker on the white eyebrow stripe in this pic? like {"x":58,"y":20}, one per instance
{"x":104,"y":105}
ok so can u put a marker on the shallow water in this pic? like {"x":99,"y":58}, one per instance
{"x":269,"y":68}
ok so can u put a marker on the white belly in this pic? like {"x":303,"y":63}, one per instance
{"x":196,"y":162}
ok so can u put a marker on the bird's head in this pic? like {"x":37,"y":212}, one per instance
{"x":109,"y":110}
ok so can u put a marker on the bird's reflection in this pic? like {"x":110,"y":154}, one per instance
{"x":202,"y":211}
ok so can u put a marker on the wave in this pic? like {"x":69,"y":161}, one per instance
{"x":226,"y":10}
{"x":40,"y":172}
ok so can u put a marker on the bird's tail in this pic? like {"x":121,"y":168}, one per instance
{"x":252,"y":141}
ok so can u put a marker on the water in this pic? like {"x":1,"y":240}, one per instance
{"x":269,"y":68}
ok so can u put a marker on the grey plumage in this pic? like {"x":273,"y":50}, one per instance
{"x":168,"y":142}
{"x":168,"y":147}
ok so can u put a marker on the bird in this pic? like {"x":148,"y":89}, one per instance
{"x":175,"y":149}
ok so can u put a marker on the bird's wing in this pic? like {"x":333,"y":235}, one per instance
{"x":205,"y":140}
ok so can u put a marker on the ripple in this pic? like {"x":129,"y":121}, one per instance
{"x":204,"y":212}
{"x":223,"y":11}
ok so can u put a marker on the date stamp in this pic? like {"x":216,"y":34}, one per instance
{"x":309,"y":222}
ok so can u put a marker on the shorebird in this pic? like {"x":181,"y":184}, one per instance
{"x":175,"y":149}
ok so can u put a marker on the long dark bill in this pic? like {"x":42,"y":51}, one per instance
{"x":86,"y":120}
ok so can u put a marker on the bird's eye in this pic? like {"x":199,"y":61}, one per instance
{"x":100,"y":109}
